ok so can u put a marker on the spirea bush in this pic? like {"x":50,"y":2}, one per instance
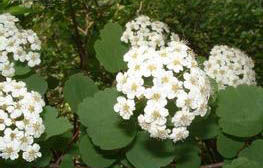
{"x":119,"y":89}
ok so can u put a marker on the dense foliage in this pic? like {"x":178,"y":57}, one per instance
{"x":81,"y":54}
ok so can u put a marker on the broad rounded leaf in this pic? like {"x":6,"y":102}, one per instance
{"x":92,"y":156}
{"x":46,"y":156}
{"x":241,"y":110}
{"x":148,"y":152}
{"x":105,"y":127}
{"x":109,"y":49}
{"x":254,"y":152}
{"x":36,"y":83}
{"x":204,"y":128}
{"x":228,"y":146}
{"x":187,"y":155}
{"x":67,"y":162}
{"x":242,"y":163}
{"x":77,"y":88}
{"x":54,"y":125}
{"x":21,"y":69}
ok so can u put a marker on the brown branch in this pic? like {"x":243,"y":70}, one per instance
{"x":77,"y":37}
{"x":216,"y":165}
{"x":74,"y":138}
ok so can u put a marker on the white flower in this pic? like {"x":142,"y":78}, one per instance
{"x":156,"y":114}
{"x":3,"y":43}
{"x":142,"y":122}
{"x":25,"y":141}
{"x":121,"y":80}
{"x":230,"y":67}
{"x":174,"y":88}
{"x":33,"y":59}
{"x":176,"y":63}
{"x":10,"y":150}
{"x":159,"y":132}
{"x":135,"y":55}
{"x":152,"y":67}
{"x":179,"y":134}
{"x":164,"y":78}
{"x":12,"y":135}
{"x":32,"y":153}
{"x":134,"y":87}
{"x":183,"y":118}
{"x":7,"y":69}
{"x":156,"y":96}
{"x":36,"y":129}
{"x":188,"y":100}
{"x":124,"y":107}
{"x":4,"y":120}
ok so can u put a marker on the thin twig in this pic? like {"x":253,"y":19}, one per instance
{"x":77,"y":37}
{"x":216,"y":165}
{"x":140,"y":8}
{"x":74,"y":138}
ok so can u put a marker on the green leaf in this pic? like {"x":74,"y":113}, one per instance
{"x":200,"y":60}
{"x":46,"y":156}
{"x":55,"y":126}
{"x":254,"y":152}
{"x":228,"y":146}
{"x":18,"y":10}
{"x":242,"y":163}
{"x":204,"y":128}
{"x":92,"y":156}
{"x":14,"y":163}
{"x":67,"y":162}
{"x":77,"y":88}
{"x":4,"y":4}
{"x":214,"y":86}
{"x":59,"y":143}
{"x":149,"y":152}
{"x":36,"y":83}
{"x":187,"y":155}
{"x":241,"y":110}
{"x":21,"y":69}
{"x":109,"y":49}
{"x":105,"y":127}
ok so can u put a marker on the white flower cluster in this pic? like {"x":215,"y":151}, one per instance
{"x":162,"y":77}
{"x":16,"y":45}
{"x":20,"y":121}
{"x":144,"y":32}
{"x":230,"y":67}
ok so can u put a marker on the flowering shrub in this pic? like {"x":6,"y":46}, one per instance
{"x":113,"y":93}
